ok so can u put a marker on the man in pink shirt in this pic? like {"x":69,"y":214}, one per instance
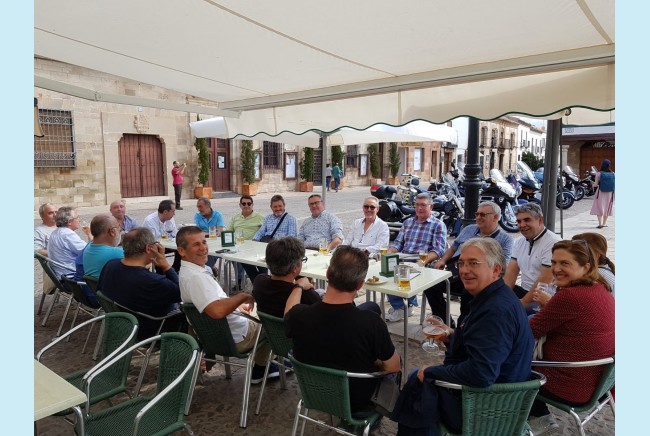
{"x":177,"y":181}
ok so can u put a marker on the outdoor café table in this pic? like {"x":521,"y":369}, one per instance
{"x":53,"y":394}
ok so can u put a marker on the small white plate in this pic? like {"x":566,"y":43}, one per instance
{"x":381,"y":281}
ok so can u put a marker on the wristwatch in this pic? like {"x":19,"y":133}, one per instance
{"x":296,"y":285}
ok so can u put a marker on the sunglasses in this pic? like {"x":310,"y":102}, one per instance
{"x":369,"y":206}
{"x":246,"y":203}
{"x":483,"y":214}
{"x":305,"y":259}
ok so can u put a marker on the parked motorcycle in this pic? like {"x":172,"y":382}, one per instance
{"x":498,"y":190}
{"x":588,"y":182}
{"x":565,"y":197}
{"x":530,"y":187}
{"x":572,"y":183}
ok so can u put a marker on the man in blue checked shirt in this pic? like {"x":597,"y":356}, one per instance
{"x":288,"y":225}
{"x":421,"y":232}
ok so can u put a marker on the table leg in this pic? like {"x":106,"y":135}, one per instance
{"x":448,"y":286}
{"x":406,"y":324}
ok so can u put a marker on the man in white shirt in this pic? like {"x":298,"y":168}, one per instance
{"x":369,"y":233}
{"x":199,"y":287}
{"x":65,"y":245}
{"x":162,"y":221}
{"x":43,"y":231}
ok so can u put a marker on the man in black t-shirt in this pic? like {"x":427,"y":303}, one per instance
{"x":334,"y":333}
{"x":284,"y":257}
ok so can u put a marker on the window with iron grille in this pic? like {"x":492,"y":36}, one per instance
{"x":56,"y":148}
{"x":352,"y":156}
{"x":272,"y":157}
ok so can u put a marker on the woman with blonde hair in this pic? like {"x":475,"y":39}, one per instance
{"x":598,"y":245}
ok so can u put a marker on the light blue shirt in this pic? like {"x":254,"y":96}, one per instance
{"x":63,"y":247}
{"x":325,"y":225}
{"x":216,"y":219}
{"x":96,"y":256}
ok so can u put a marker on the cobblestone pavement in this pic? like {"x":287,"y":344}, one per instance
{"x":217,"y":401}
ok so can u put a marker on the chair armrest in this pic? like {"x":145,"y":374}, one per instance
{"x":245,"y":315}
{"x":448,"y":385}
{"x":378,"y":374}
{"x":146,"y":315}
{"x":68,"y":333}
{"x":584,"y":363}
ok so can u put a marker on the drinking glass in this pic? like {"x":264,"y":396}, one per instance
{"x":404,"y":277}
{"x":322,"y":246}
{"x":239,"y":238}
{"x":423,"y":256}
{"x":433,"y":334}
{"x":213,"y":232}
{"x":85,"y":225}
{"x":549,"y":288}
{"x":383,"y":250}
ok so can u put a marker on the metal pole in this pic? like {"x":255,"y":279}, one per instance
{"x":472,"y":169}
{"x":554,"y":130}
{"x":323,"y":147}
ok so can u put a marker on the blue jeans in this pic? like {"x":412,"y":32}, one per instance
{"x":337,"y":183}
{"x":398,"y":303}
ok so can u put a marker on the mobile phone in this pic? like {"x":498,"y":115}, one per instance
{"x":224,"y":250}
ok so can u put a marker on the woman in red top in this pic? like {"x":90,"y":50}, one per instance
{"x":578,"y":323}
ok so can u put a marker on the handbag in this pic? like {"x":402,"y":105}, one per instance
{"x":385,"y":395}
{"x":269,"y":238}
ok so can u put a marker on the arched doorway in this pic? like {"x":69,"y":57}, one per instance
{"x":141,"y":166}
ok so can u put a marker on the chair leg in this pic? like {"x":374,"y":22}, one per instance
{"x":40,"y":306}
{"x":227,"y":368}
{"x":138,"y":384}
{"x":65,"y":315}
{"x":266,"y":374}
{"x":197,"y":369}
{"x":74,"y":320}
{"x":92,"y":326}
{"x":578,"y":422}
{"x":49,"y":309}
{"x":423,"y":312}
{"x":188,"y":429}
{"x":247,"y":389}
{"x":296,"y":419}
{"x":99,"y":341}
{"x":304,"y":421}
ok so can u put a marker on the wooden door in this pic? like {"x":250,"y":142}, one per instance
{"x":141,"y":166}
{"x":593,"y":153}
{"x":219,"y":150}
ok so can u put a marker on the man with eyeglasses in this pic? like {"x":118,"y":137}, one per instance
{"x":421,"y":232}
{"x":487,"y":226}
{"x":64,"y":244}
{"x":162,"y":221}
{"x":369,"y":233}
{"x":531,"y":255}
{"x":493,"y":344}
{"x":320,"y":225}
{"x":248,"y":222}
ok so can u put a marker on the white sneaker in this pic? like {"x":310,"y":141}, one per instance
{"x":543,"y":425}
{"x":397,"y":314}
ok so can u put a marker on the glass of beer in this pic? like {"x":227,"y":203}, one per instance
{"x":404,"y":277}
{"x":423,"y":256}
{"x":213,"y":232}
{"x":433,"y":334}
{"x":322,"y":246}
{"x":383,"y":250}
{"x":239,"y":238}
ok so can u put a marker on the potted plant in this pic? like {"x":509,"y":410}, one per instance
{"x":338,"y":158}
{"x":375,"y":169}
{"x":249,"y":187}
{"x":203,"y":189}
{"x":393,"y":162}
{"x":306,"y":166}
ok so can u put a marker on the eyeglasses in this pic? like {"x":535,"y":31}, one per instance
{"x":305,"y":259}
{"x":584,"y":244}
{"x":246,"y":203}
{"x":472,"y":264}
{"x":369,"y":206}
{"x":314,"y":203}
{"x":422,"y":205}
{"x":483,"y":214}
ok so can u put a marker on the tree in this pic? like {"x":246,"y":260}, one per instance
{"x":337,"y":156}
{"x":531,"y":160}
{"x":203,"y":160}
{"x":394,"y":160}
{"x":307,"y":165}
{"x":247,"y":161}
{"x":375,"y":170}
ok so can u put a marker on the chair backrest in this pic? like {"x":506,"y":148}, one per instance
{"x":499,"y":409}
{"x":77,"y":292}
{"x":323,"y":389}
{"x":214,"y":334}
{"x":91,"y":281}
{"x":274,"y":330}
{"x":606,"y":383}
{"x":45,"y":263}
{"x":107,"y":304}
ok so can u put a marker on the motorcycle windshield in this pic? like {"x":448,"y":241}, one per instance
{"x":524,"y":171}
{"x":497,"y":175}
{"x":569,"y":170}
{"x":449,"y":180}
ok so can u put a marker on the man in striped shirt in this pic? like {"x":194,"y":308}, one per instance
{"x":421,"y":232}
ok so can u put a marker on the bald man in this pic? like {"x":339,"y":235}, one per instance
{"x":126,"y":223}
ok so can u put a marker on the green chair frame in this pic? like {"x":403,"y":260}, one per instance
{"x":119,"y":333}
{"x":281,"y":346}
{"x":159,"y":414}
{"x":499,"y":409}
{"x":600,"y":398}
{"x":60,"y":291}
{"x":327,"y":390}
{"x":92,"y":282}
{"x":83,"y":304}
{"x":215,"y":338}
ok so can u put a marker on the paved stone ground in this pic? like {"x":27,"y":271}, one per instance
{"x":217,"y":401}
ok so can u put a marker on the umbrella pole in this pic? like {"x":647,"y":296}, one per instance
{"x":323,"y":146}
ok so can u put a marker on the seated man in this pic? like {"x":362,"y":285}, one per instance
{"x":131,"y":283}
{"x":487,"y":226}
{"x":248,"y":222}
{"x":107,"y":236}
{"x":493,"y":345}
{"x":207,"y":217}
{"x":162,"y":221}
{"x":284,"y":258}
{"x":279,"y":223}
{"x":369,"y":233}
{"x":126,"y":223}
{"x":320,"y":225}
{"x":334,"y":333}
{"x":200,"y":288}
{"x":42,"y":234}
{"x":65,"y":245}
{"x":421,"y":232}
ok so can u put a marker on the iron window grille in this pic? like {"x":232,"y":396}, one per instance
{"x":272,"y":156}
{"x":56,"y":148}
{"x":352,"y":156}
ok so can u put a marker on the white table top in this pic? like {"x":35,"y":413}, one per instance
{"x":213,"y":244}
{"x":52,"y":393}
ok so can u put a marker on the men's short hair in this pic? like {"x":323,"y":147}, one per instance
{"x":491,"y":248}
{"x":64,"y":215}
{"x":175,"y":162}
{"x":348,"y":267}
{"x":277,"y":197}
{"x":374,"y":199}
{"x":101,"y":224}
{"x":165,"y":205}
{"x":204,"y":200}
{"x":246,"y":197}
{"x":184,"y":232}
{"x":136,"y":241}
{"x":495,"y":207}
{"x":41,"y":209}
{"x":283,"y":254}
{"x":314,"y":195}
{"x":534,"y":209}
{"x":424,"y":196}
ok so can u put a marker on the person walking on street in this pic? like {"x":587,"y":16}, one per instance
{"x":328,"y":176}
{"x":336,"y":173}
{"x":604,"y":203}
{"x":177,"y":181}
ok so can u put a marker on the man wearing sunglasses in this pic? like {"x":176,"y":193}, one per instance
{"x":487,"y":226}
{"x":248,"y":222}
{"x":369,"y":233}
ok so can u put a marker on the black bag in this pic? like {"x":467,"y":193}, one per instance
{"x":269,"y":238}
{"x":386,"y":393}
